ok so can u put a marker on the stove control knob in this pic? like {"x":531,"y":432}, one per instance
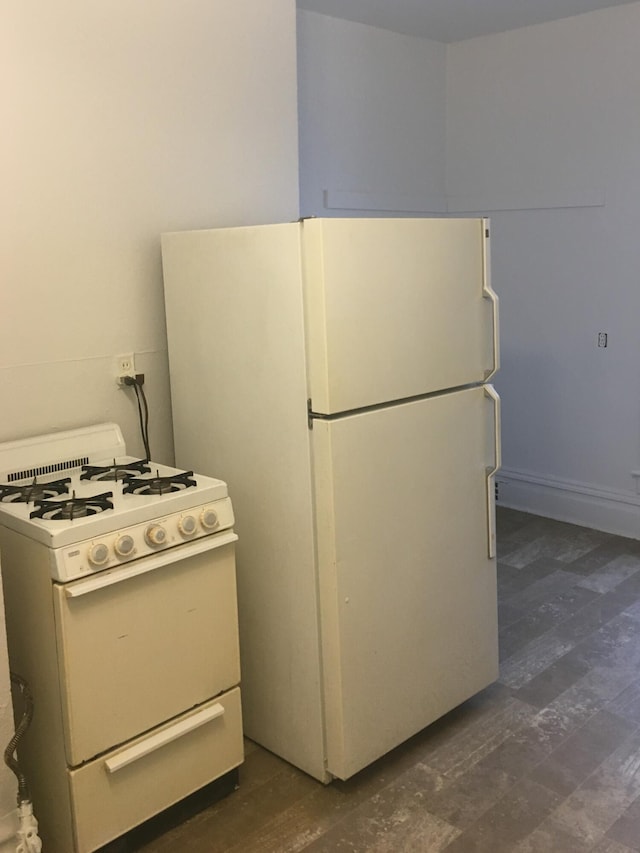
{"x":209,"y":519}
{"x":155,"y":535}
{"x":98,"y":554}
{"x":124,"y":546}
{"x":187,"y":525}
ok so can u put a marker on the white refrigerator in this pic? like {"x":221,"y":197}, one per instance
{"x":335,"y":373}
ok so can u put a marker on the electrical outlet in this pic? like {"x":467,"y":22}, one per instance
{"x":602,"y":339}
{"x":125,"y":366}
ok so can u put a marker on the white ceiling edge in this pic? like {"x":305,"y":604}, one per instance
{"x":454,"y":20}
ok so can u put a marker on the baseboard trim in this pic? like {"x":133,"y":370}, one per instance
{"x":567,"y":500}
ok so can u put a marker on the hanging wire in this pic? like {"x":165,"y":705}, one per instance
{"x":27,"y":715}
{"x":143,"y":409}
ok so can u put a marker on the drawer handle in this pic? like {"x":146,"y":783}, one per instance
{"x":160,"y":739}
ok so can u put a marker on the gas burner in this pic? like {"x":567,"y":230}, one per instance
{"x":159,"y":485}
{"x":33,"y":491}
{"x":122,"y":471}
{"x":72,"y":508}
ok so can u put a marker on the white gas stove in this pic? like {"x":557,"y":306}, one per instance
{"x":121,"y":614}
{"x":79,"y":494}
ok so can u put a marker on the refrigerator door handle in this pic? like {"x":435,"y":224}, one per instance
{"x":489,"y":293}
{"x":491,"y":472}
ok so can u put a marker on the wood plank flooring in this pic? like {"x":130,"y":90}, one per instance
{"x":547,"y":759}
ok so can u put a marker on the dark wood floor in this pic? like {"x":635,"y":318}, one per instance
{"x":547,"y":759}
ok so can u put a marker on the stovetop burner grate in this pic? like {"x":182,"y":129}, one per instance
{"x":159,"y":485}
{"x":72,"y":508}
{"x":116,"y":471}
{"x":33,"y":491}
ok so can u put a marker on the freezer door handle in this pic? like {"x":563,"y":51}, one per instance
{"x":489,"y":293}
{"x":491,"y":471}
{"x":156,"y":741}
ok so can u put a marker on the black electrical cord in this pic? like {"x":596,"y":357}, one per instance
{"x":25,"y":722}
{"x":143,"y":409}
{"x":140,"y":395}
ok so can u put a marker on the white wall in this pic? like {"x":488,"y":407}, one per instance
{"x":545,"y":121}
{"x":123,"y":120}
{"x":372,"y":119}
{"x":126,"y":119}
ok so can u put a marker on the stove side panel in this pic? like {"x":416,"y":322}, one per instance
{"x":33,"y":655}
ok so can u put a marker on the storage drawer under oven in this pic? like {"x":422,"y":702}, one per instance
{"x":137,"y":650}
{"x":125,"y":787}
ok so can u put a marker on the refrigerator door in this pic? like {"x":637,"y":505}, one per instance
{"x":396,"y":308}
{"x":407,"y":584}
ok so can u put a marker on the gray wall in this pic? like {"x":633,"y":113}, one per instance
{"x":372,"y":119}
{"x":550,"y":127}
{"x":541,"y":132}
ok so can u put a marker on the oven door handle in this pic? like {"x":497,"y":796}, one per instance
{"x":148,"y":564}
{"x":160,"y":739}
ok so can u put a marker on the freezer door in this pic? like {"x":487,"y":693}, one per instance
{"x":396,"y":308}
{"x":407,"y":575}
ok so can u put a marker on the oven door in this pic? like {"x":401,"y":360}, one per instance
{"x":143,"y":643}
